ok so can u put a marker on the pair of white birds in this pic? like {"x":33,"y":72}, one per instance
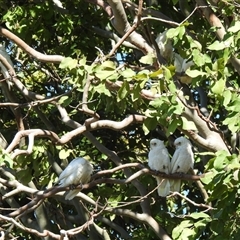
{"x":79,"y":170}
{"x":182,"y":161}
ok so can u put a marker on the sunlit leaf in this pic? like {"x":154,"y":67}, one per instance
{"x":217,"y":46}
{"x":128,"y":73}
{"x":69,"y":63}
{"x":194,"y":73}
{"x":108,"y":65}
{"x":188,"y":125}
{"x":63,"y":154}
{"x":147,"y":59}
{"x":235,"y":28}
{"x":218,"y":86}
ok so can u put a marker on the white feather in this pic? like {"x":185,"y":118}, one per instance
{"x":77,"y":172}
{"x":182,"y":160}
{"x":158,"y":159}
{"x":164,"y":45}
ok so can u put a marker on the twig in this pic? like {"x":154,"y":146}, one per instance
{"x":45,"y":233}
{"x":135,"y":25}
{"x":197,"y":7}
{"x":85,"y":108}
{"x":190,"y":201}
{"x":161,"y":20}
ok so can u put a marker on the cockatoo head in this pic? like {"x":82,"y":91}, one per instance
{"x":156,"y":143}
{"x":182,"y":141}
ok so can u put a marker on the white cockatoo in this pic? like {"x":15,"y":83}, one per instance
{"x":182,"y":160}
{"x":77,"y":172}
{"x":4,"y":70}
{"x":181,"y":66}
{"x":158,"y":159}
{"x":164,"y":45}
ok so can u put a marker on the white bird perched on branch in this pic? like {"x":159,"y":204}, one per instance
{"x":181,"y":66}
{"x":182,"y":160}
{"x":164,"y":45}
{"x":77,"y":172}
{"x":158,"y":159}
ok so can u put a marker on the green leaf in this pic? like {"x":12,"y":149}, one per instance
{"x":128,"y":73}
{"x":227,"y":95}
{"x":196,"y":44}
{"x":149,"y":124}
{"x":6,"y":158}
{"x":181,"y":31}
{"x":218,"y":86}
{"x":123,"y":91}
{"x":177,"y":231}
{"x":103,"y":74}
{"x":25,"y":176}
{"x":147,"y":59}
{"x":217,"y":46}
{"x":187,"y":233}
{"x":167,"y":73}
{"x":65,"y":101}
{"x":156,"y":73}
{"x":108,"y":65}
{"x":195,"y":73}
{"x":198,"y":215}
{"x":208,"y":177}
{"x":220,"y":161}
{"x":232,"y":121}
{"x":101,"y":89}
{"x":188,"y":125}
{"x":69,"y":63}
{"x":173,"y":32}
{"x":235,"y":28}
{"x":173,"y":126}
{"x":63,"y":154}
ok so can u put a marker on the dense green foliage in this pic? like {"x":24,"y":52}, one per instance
{"x":88,"y":90}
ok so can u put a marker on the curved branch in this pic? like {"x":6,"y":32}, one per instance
{"x":113,"y":36}
{"x":205,"y":136}
{"x":45,"y":233}
{"x":214,"y":21}
{"x":32,"y":52}
{"x":121,"y":24}
{"x":67,"y":137}
{"x":32,"y":132}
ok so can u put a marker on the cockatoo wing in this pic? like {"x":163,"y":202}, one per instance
{"x":178,"y":61}
{"x":164,"y":45}
{"x":158,"y":159}
{"x":182,"y":161}
{"x":175,"y":185}
{"x":164,"y":187}
{"x":71,"y":194}
{"x":78,"y":171}
{"x":67,"y":176}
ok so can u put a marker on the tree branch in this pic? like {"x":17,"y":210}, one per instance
{"x":26,"y":48}
{"x":214,"y":21}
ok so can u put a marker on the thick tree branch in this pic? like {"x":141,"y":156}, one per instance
{"x":214,"y":21}
{"x":121,"y":24}
{"x":32,"y":52}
